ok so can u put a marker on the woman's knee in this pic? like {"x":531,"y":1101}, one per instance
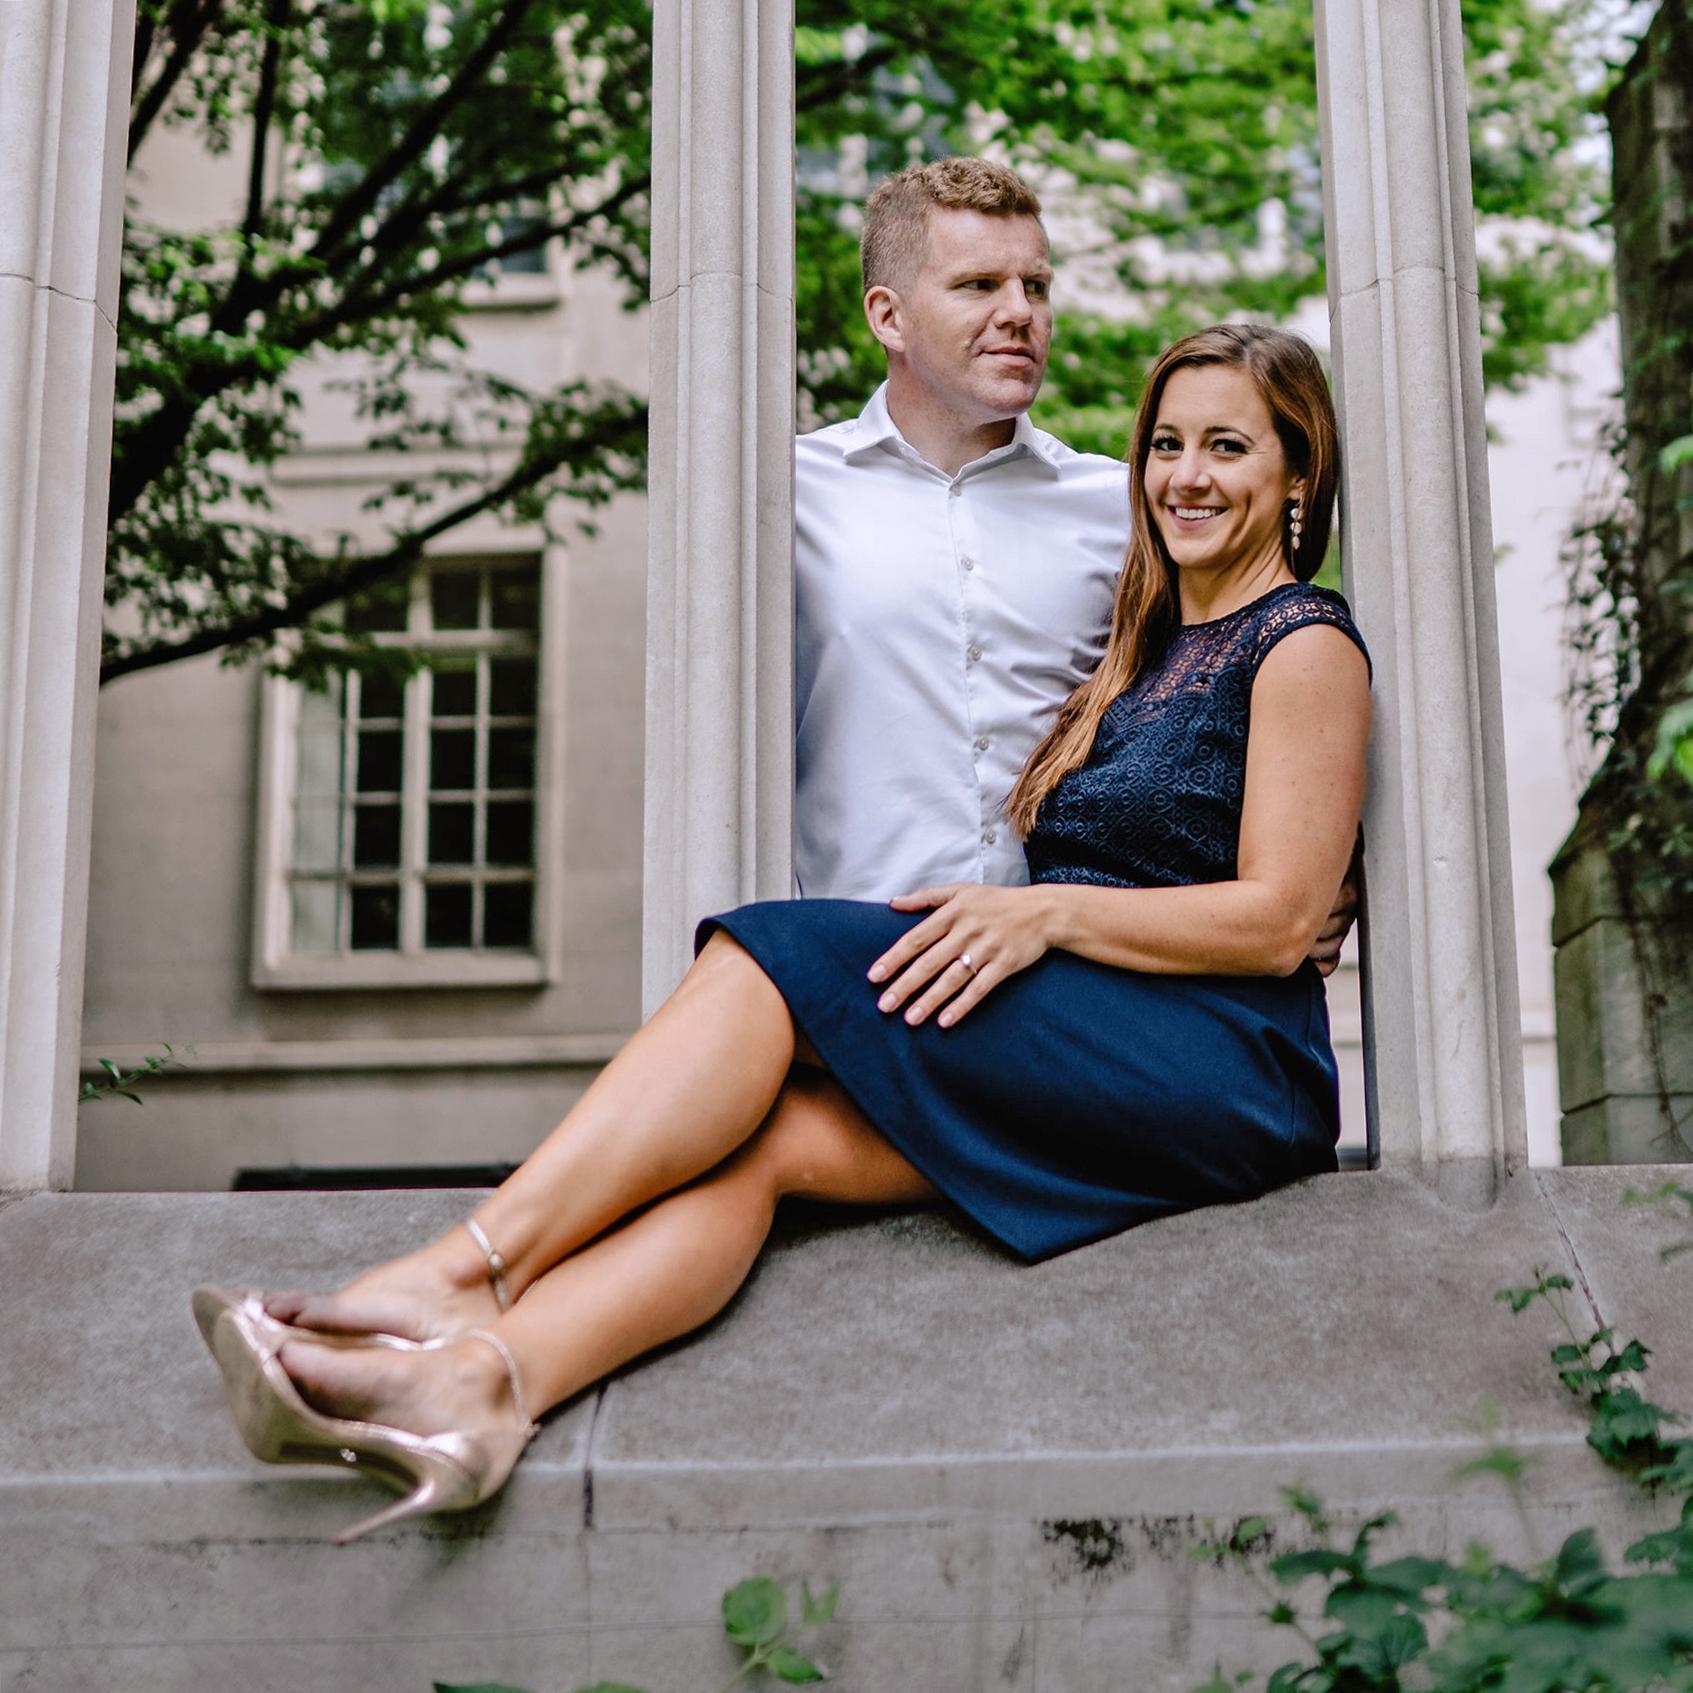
{"x":723,"y":961}
{"x":817,"y":1143}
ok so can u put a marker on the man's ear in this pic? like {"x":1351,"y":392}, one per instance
{"x":882,"y":311}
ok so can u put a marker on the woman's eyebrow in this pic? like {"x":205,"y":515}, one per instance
{"x":1209,"y":430}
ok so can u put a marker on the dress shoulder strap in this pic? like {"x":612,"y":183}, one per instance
{"x":1297,"y":607}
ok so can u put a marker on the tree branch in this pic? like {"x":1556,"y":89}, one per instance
{"x":167,"y":428}
{"x":264,"y":107}
{"x":423,"y":129}
{"x":158,"y":435}
{"x":817,"y":85}
{"x":367,"y":572}
{"x":362,"y":307}
{"x":143,"y":49}
{"x":189,"y":22}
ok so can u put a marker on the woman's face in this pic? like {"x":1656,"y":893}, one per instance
{"x":1216,"y":478}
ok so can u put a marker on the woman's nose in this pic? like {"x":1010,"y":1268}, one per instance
{"x":1190,"y":472}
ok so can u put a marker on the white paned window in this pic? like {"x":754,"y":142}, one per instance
{"x":405,"y":818}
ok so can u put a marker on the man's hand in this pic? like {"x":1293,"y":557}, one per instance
{"x":1338,"y":925}
{"x":974,"y":938}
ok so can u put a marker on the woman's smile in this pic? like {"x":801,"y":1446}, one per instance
{"x":1192,"y":516}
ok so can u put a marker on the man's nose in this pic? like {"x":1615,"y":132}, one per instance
{"x":1013,"y":304}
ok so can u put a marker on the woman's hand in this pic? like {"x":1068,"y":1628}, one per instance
{"x":999,"y":931}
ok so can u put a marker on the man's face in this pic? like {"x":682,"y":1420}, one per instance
{"x":975,"y":323}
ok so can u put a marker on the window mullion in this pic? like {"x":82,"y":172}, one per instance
{"x":344,"y":819}
{"x":414,"y":776}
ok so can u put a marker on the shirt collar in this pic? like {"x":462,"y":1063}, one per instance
{"x":875,"y":428}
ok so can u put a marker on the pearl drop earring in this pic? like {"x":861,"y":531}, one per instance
{"x":1295,"y":527}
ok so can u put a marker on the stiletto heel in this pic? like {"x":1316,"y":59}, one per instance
{"x":462,"y":1470}
{"x":443,"y":1472}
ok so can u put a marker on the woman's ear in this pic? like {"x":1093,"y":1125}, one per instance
{"x":882,"y":310}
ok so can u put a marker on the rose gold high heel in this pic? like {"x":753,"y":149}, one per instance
{"x":211,"y":1302}
{"x":496,"y":1270}
{"x":441,"y":1472}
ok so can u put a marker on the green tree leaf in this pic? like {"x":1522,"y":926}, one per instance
{"x":755,"y":1612}
{"x":1675,"y":454}
{"x":818,"y":1608}
{"x":1290,"y":1567}
{"x":788,"y":1665}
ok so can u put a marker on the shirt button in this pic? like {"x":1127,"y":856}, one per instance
{"x":968,"y":563}
{"x":953,"y":491}
{"x":990,"y":837}
{"x":982,"y":743}
{"x":975,"y":654}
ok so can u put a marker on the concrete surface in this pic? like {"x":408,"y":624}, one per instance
{"x":1005,"y":1468}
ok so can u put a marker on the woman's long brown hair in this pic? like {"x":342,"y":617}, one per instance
{"x":1147,"y":609}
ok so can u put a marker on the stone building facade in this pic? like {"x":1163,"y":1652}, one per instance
{"x":353,"y":1054}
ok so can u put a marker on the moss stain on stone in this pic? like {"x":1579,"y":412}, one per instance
{"x":1094,"y":1547}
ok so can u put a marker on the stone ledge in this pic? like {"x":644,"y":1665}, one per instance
{"x":1005,"y":1467}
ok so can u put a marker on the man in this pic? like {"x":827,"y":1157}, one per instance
{"x":954,"y":565}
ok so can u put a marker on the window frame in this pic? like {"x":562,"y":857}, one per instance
{"x":276,"y":967}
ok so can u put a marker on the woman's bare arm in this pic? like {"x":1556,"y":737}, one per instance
{"x":1305,"y":758}
{"x":1305,"y":762}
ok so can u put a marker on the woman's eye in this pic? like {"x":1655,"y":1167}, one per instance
{"x":1230,"y":447}
{"x":1166,"y":444}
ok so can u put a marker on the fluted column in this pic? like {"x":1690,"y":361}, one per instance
{"x":64,"y":84}
{"x":719,"y":747}
{"x":1442,"y":1026}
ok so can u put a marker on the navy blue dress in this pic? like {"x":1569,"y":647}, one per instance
{"x":1079,"y":1099}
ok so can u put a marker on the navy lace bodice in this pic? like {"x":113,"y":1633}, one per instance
{"x":1157,"y":802}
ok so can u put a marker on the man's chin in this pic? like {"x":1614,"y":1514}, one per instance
{"x":1007,"y":396}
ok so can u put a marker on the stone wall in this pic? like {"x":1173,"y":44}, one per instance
{"x":1624,"y":969}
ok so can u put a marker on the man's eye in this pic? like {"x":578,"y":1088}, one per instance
{"x":1037,"y":290}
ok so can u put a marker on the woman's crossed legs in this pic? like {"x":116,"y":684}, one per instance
{"x":635,"y":1221}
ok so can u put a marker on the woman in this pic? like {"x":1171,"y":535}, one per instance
{"x":1136,"y":1032}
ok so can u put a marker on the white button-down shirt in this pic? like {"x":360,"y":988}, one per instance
{"x":941,"y":622}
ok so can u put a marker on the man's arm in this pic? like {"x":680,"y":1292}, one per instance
{"x":1338,"y":924}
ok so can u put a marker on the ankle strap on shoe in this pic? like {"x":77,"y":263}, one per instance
{"x":512,"y":1371}
{"x":496,"y":1264}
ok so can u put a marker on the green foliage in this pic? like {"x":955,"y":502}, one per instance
{"x":1629,"y":562}
{"x":390,"y":152}
{"x":390,"y":155}
{"x":1673,"y":749}
{"x":1567,"y":1624}
{"x":755,"y":1618}
{"x":118,"y":1083}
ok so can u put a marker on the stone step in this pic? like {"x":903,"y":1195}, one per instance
{"x":1005,"y":1468}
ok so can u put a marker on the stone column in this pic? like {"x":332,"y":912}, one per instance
{"x":719,"y":750}
{"x":1441,"y":1021}
{"x":64,"y":84}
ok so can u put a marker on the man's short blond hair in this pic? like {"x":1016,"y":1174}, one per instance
{"x":896,"y":216}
